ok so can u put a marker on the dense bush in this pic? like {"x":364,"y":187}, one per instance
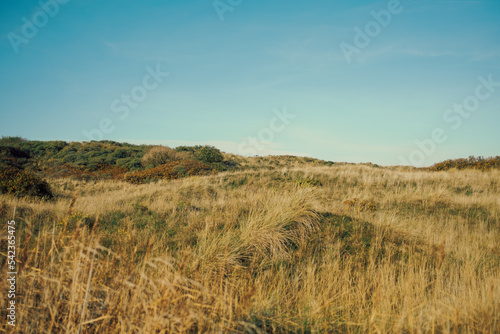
{"x":224,"y":165}
{"x":35,"y":149}
{"x":189,"y":149}
{"x":20,"y":183}
{"x":472,"y":162}
{"x":6,"y":140}
{"x":169,"y":171}
{"x":13,"y":156}
{"x":83,"y":159}
{"x":130,"y":164}
{"x":209,"y":154}
{"x":89,"y":155}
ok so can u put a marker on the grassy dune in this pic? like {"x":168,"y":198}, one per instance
{"x":341,"y":248}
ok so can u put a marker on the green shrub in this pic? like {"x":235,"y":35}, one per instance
{"x":224,"y":165}
{"x":133,"y":164}
{"x":189,"y":149}
{"x":20,"y":183}
{"x":121,"y":153}
{"x":6,"y":140}
{"x":209,"y":154}
{"x":13,"y":156}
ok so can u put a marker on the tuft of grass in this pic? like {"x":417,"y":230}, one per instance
{"x":262,"y":235}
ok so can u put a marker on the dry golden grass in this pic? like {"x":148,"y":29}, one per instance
{"x":262,"y":251}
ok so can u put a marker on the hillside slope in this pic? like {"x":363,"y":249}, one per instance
{"x":335,"y":248}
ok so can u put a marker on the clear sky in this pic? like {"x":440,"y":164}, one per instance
{"x":388,"y":82}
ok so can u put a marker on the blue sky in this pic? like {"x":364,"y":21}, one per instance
{"x":229,"y":79}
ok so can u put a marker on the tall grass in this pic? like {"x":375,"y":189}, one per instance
{"x":257,"y":251}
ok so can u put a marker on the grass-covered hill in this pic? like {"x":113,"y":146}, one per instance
{"x":308,"y":249}
{"x":24,"y":163}
{"x":90,"y":156}
{"x":224,"y":243}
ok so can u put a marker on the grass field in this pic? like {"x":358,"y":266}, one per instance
{"x":305,"y":249}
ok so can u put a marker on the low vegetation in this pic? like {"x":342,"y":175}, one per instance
{"x":20,"y":183}
{"x":168,"y":171}
{"x":472,"y":162}
{"x":159,"y":155}
{"x":292,"y":246}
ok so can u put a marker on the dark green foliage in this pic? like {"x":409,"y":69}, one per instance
{"x":8,"y":151}
{"x":6,"y":140}
{"x":121,"y":153}
{"x":190,"y":149}
{"x":35,"y":149}
{"x":21,"y":183}
{"x":49,"y":156}
{"x":133,"y":164}
{"x":13,"y":156}
{"x":92,"y":154}
{"x":209,"y":154}
{"x":224,"y":165}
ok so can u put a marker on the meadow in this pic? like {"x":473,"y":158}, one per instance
{"x":276,"y":247}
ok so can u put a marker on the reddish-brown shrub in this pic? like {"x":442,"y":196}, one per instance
{"x":169,"y":171}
